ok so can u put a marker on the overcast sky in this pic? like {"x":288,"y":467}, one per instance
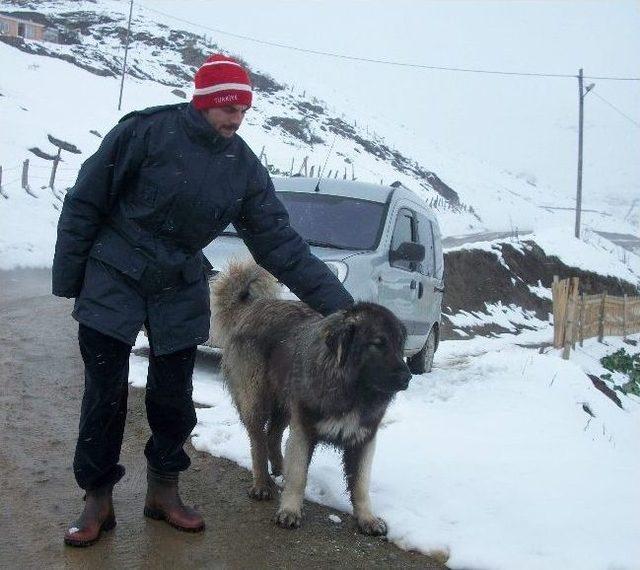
{"x":519,"y":123}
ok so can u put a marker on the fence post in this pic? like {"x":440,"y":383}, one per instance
{"x":25,"y":174}
{"x":554,"y":303}
{"x":558,"y":291}
{"x":311,"y":172}
{"x":575,"y":315}
{"x":25,"y":178}
{"x":291,"y":171}
{"x":624,"y":317}
{"x":54,"y":168}
{"x":2,"y":193}
{"x":582,"y":311}
{"x":304,"y":165}
{"x":602,"y":314}
{"x":569,"y":316}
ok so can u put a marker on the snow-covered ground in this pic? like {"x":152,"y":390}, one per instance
{"x":491,"y":457}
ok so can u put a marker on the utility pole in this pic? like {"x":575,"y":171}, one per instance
{"x":582,"y":94}
{"x":126,"y":51}
{"x":580,"y":128}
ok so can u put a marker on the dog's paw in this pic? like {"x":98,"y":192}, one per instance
{"x":373,"y":526}
{"x":276,"y":470}
{"x":263,"y":492}
{"x":288,"y":519}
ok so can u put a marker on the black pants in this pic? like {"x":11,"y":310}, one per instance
{"x":168,"y":400}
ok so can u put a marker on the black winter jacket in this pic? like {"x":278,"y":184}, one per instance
{"x":163,"y":185}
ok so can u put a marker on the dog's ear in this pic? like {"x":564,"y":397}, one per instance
{"x":340,"y":338}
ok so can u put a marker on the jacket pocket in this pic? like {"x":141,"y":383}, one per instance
{"x":114,"y":250}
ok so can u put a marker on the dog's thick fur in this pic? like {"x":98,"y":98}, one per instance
{"x":331,"y":379}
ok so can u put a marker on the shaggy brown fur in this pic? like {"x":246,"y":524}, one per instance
{"x":330,"y":378}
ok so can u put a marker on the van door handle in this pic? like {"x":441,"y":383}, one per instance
{"x":420,"y":290}
{"x":438,"y":289}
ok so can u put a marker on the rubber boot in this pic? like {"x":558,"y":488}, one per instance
{"x":97,"y":516}
{"x":163,"y":502}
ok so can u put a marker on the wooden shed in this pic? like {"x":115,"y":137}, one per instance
{"x":17,"y":27}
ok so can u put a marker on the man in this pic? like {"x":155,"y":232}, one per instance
{"x":163,"y":184}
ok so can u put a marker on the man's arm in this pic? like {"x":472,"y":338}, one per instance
{"x":90,"y":201}
{"x":264,"y":226}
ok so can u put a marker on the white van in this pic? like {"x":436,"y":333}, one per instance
{"x":382,"y":242}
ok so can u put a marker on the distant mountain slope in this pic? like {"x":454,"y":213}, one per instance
{"x":294,"y":130}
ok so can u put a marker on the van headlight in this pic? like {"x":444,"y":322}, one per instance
{"x":339,"y":269}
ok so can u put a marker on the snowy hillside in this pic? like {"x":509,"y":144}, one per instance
{"x":77,"y":95}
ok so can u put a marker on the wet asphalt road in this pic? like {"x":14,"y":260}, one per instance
{"x":40,"y":392}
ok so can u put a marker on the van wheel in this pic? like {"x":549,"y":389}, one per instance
{"x":422,"y":362}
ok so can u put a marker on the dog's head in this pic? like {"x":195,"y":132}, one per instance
{"x":368,"y":341}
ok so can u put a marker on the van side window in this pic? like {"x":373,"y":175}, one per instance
{"x":404,"y":230}
{"x":425,"y":237}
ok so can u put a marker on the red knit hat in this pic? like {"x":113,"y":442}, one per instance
{"x":221,"y":81}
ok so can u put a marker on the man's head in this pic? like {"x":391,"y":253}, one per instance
{"x":222,"y":93}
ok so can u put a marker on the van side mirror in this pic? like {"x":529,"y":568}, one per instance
{"x":408,"y":251}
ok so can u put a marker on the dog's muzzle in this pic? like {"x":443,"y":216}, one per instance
{"x":399,"y":379}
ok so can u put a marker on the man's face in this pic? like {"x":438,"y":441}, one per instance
{"x":225,"y":120}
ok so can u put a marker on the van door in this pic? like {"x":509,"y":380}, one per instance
{"x":430,"y":290}
{"x":398,"y":281}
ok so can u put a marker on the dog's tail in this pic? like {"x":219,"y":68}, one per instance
{"x":235,"y":289}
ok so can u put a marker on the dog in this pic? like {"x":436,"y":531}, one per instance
{"x":329,"y":378}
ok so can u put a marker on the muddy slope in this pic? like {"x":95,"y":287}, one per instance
{"x":474,"y":277}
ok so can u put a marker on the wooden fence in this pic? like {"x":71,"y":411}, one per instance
{"x":578,"y":316}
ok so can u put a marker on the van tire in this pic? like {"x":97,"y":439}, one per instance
{"x":422,"y":362}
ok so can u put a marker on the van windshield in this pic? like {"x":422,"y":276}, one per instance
{"x":333,"y":221}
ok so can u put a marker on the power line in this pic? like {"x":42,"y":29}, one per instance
{"x":386,"y":61}
{"x":616,"y":109}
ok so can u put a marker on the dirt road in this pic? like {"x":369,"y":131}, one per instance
{"x":40,"y":391}
{"x":626,"y":241}
{"x":455,"y":241}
